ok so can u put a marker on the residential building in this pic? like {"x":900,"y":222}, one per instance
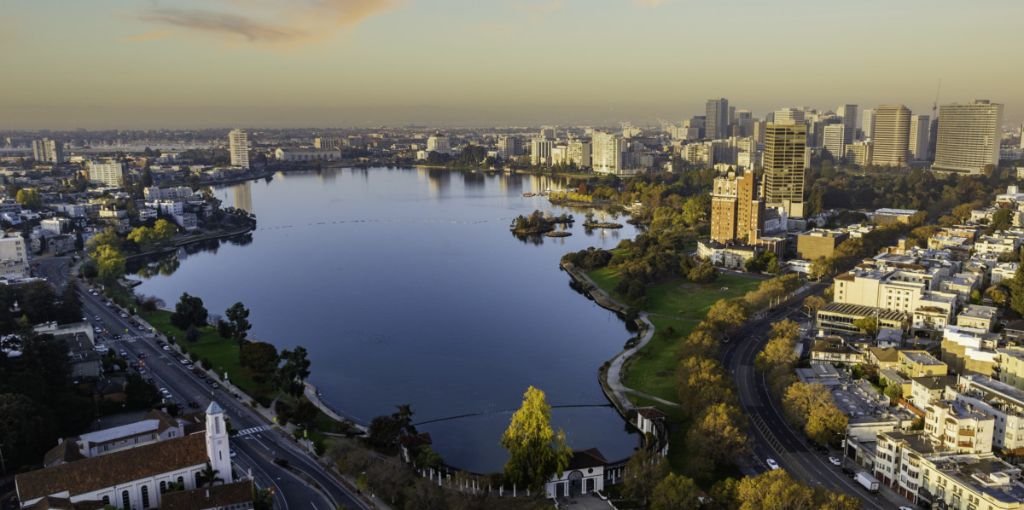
{"x":109,"y":173}
{"x":736,"y":213}
{"x":717,"y":119}
{"x":607,"y":153}
{"x":970,"y":351}
{"x":540,"y":151}
{"x":784,"y":164}
{"x":919,"y":139}
{"x":859,"y":153}
{"x":889,"y":216}
{"x":835,"y":141}
{"x":867,"y":124}
{"x":1001,"y":400}
{"x":48,"y":151}
{"x":136,"y":477}
{"x":1010,"y":362}
{"x":238,"y":147}
{"x":833,"y":349}
{"x":978,"y":317}
{"x":959,"y":427}
{"x":968,"y":138}
{"x":579,"y":153}
{"x":331,"y":143}
{"x":900,"y":290}
{"x":817,"y":243}
{"x":439,"y":143}
{"x":891,"y":135}
{"x":925,"y":390}
{"x":294,"y":155}
{"x":156,"y":426}
{"x":913,"y":363}
{"x":510,"y":146}
{"x":13,"y":257}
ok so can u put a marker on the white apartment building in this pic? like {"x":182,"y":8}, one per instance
{"x":608,"y":153}
{"x":920,"y":129}
{"x":867,"y":124}
{"x":540,"y":151}
{"x":238,"y":146}
{"x":580,"y":152}
{"x":999,"y":243}
{"x":13,"y":257}
{"x":968,"y":138}
{"x":959,"y":426}
{"x":1001,"y":400}
{"x":890,"y":135}
{"x":835,"y":140}
{"x":439,"y":143}
{"x":48,"y":151}
{"x":898,"y":290}
{"x":109,"y":173}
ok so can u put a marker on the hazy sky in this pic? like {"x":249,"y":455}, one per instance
{"x":182,"y":63}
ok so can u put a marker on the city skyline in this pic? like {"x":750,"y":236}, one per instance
{"x":358,"y":63}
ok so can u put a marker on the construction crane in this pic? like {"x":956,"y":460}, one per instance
{"x":935,"y":104}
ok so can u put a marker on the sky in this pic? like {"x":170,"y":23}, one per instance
{"x":348,"y":63}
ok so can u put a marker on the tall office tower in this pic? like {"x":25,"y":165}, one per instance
{"x":732,"y":115}
{"x":744,"y":123}
{"x":238,"y":146}
{"x":784,"y":163}
{"x":48,"y":151}
{"x":438,"y":143}
{"x":540,"y":151}
{"x":510,"y":146}
{"x":607,"y":153}
{"x":790,"y":115}
{"x":736,"y":213}
{"x":968,"y":138}
{"x":920,"y":128}
{"x":835,"y":140}
{"x":717,"y":119}
{"x":867,"y":123}
{"x":891,"y":135}
{"x":848,"y":112}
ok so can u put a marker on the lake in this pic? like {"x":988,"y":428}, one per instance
{"x":406,"y":286}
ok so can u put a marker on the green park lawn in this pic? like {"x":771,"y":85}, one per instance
{"x":222,"y":353}
{"x":675,"y":307}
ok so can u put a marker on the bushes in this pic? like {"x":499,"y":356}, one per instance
{"x":588,"y":259}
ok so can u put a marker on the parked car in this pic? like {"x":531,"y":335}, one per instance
{"x":835,"y":461}
{"x":771,"y":463}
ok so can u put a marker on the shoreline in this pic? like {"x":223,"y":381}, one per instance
{"x":187,"y":242}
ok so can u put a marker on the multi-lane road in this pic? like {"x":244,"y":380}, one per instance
{"x":773,"y":436}
{"x":275,"y":461}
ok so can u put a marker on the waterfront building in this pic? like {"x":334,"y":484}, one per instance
{"x":968,"y":138}
{"x":328,"y":143}
{"x":717,"y":118}
{"x":891,"y":134}
{"x":607,"y":155}
{"x":785,"y":161}
{"x":510,"y":146}
{"x":439,"y":143}
{"x":540,"y":152}
{"x":579,"y":152}
{"x":238,"y":147}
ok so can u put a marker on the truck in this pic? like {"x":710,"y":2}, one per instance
{"x":867,"y":481}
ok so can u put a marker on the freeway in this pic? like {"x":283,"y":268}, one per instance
{"x":275,"y":461}
{"x":772,"y":433}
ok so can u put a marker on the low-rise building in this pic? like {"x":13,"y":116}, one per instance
{"x":978,"y":317}
{"x":925,"y":390}
{"x":970,"y":351}
{"x":834,"y":349}
{"x":819,"y":243}
{"x":920,"y":364}
{"x":999,"y":399}
{"x":838,"y":318}
{"x":13,"y":257}
{"x":959,"y":426}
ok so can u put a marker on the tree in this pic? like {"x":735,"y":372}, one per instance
{"x":813,"y":303}
{"x":294,"y":370}
{"x":142,"y":236}
{"x":164,"y":231}
{"x":774,"y":490}
{"x":869,"y":325}
{"x":726,"y":314}
{"x":675,"y":491}
{"x":826,"y":424}
{"x":1002,"y":219}
{"x":208,"y":476}
{"x":700,"y":383}
{"x":192,"y":334}
{"x":703,"y":272}
{"x":238,"y":318}
{"x":25,"y":431}
{"x":29,"y":198}
{"x":998,"y":295}
{"x":894,"y":392}
{"x":642,"y":473}
{"x":107,"y":237}
{"x":259,"y":357}
{"x":189,"y":312}
{"x":536,"y":451}
{"x":110,"y":264}
{"x":716,"y":438}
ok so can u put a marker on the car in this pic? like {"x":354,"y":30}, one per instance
{"x":213,"y":384}
{"x":124,"y":315}
{"x":166,"y":347}
{"x":281,"y":462}
{"x":771,"y":463}
{"x":97,"y":318}
{"x":102,"y":349}
{"x":232,"y":453}
{"x":905,"y":507}
{"x":123,"y":353}
{"x":835,"y":461}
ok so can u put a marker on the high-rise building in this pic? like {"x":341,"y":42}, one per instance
{"x":607,"y":153}
{"x":867,"y":123}
{"x":848,"y":112}
{"x":835,"y":140}
{"x":790,"y":116}
{"x":579,"y":153}
{"x":920,"y":129}
{"x":784,"y":163}
{"x":108,"y":173}
{"x":968,"y":137}
{"x":891,"y":135}
{"x":717,"y":118}
{"x":547,"y":133}
{"x":438,"y":143}
{"x":737,"y":215}
{"x":510,"y":146}
{"x":13,"y":257}
{"x":540,"y":151}
{"x":744,"y":123}
{"x":238,"y":146}
{"x":328,"y":143}
{"x":48,"y":151}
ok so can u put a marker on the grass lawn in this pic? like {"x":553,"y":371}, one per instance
{"x":222,"y":353}
{"x":679,"y":305}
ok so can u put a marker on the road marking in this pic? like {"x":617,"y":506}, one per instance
{"x":251,"y":430}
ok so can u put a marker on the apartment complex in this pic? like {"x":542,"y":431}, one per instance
{"x":109,"y":173}
{"x":784,"y":163}
{"x":834,"y":140}
{"x":607,"y":153}
{"x":13,"y":257}
{"x":737,"y":215}
{"x":46,"y":150}
{"x":968,"y":138}
{"x":238,"y":147}
{"x":891,"y":135}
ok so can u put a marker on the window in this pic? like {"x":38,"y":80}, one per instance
{"x":106,"y":500}
{"x":126,"y":500}
{"x":163,"y":486}
{"x":199,"y":479}
{"x":145,"y":496}
{"x":181,"y":481}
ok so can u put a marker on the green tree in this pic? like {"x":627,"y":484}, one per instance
{"x":238,"y":318}
{"x":701,"y":382}
{"x":189,"y":311}
{"x":110,"y":263}
{"x":29,"y":198}
{"x":813,"y":303}
{"x":716,"y":438}
{"x":642,"y":473}
{"x":674,"y":492}
{"x":25,"y":430}
{"x":536,"y":451}
{"x":774,"y":490}
{"x":869,"y":325}
{"x":142,"y":236}
{"x":1002,"y":219}
{"x":260,"y":358}
{"x":294,"y":370}
{"x":164,"y":230}
{"x":208,"y":476}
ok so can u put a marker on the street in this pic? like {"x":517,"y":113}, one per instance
{"x":303,"y":483}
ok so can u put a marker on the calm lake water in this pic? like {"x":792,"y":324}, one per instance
{"x":406,"y":286}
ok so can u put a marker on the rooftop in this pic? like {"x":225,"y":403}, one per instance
{"x":217,"y":496}
{"x":921,"y":358}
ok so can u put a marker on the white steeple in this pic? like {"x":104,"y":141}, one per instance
{"x":218,"y":449}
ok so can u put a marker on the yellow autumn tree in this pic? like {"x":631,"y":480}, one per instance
{"x":536,"y":451}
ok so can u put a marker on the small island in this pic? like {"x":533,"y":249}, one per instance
{"x":538,"y":223}
{"x":590,"y":223}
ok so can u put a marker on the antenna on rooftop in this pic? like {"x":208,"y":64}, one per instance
{"x":935,"y":104}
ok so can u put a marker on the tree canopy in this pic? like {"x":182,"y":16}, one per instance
{"x":536,"y":451}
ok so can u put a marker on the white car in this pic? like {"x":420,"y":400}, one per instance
{"x":904,"y":507}
{"x":834,"y":461}
{"x":166,"y":347}
{"x":771,"y":463}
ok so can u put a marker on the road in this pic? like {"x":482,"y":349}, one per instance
{"x":773,"y":436}
{"x":303,"y":484}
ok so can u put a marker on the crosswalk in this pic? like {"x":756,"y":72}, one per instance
{"x":251,"y":430}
